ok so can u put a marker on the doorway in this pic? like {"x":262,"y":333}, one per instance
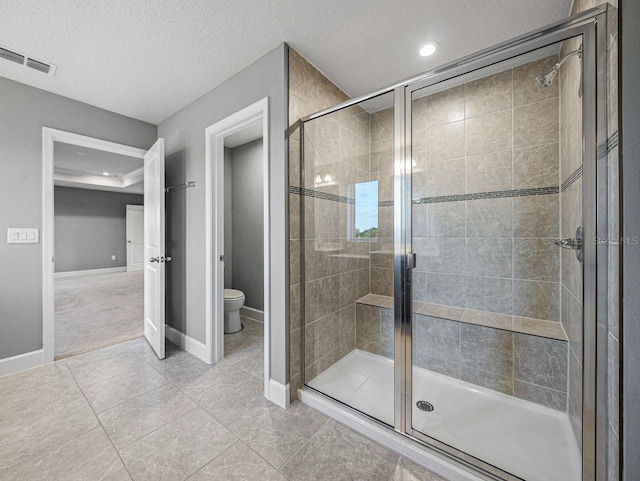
{"x":90,"y":298}
{"x":238,"y":250}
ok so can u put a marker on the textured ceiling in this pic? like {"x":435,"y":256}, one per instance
{"x":148,"y":59}
{"x":83,"y":160}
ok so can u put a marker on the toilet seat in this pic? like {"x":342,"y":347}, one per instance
{"x":233,"y":294}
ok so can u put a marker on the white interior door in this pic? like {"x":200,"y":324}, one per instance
{"x":154,"y":258}
{"x":135,"y":237}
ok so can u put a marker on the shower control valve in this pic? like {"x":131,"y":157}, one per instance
{"x":575,"y":244}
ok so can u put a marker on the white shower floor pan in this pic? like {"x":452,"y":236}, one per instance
{"x":530,"y":441}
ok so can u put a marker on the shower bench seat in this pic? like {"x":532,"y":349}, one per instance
{"x":524,"y":325}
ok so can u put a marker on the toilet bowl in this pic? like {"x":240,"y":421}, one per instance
{"x":233,"y":301}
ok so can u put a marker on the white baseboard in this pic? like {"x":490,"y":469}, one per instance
{"x":135,"y":268}
{"x":252,"y":313}
{"x":187,"y":343}
{"x":21,"y":362}
{"x":446,"y":468}
{"x":279,"y":393}
{"x":89,"y":272}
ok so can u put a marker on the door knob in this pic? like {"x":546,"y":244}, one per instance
{"x":168,"y":259}
{"x":154,"y":259}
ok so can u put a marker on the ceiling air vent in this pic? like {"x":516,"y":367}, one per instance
{"x":11,"y":56}
{"x":37,"y":65}
{"x":29,"y":62}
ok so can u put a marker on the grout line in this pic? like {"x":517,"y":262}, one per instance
{"x":110,"y":377}
{"x":238,"y":440}
{"x":129,"y":399}
{"x":393,"y":470}
{"x":308,"y":440}
{"x":126,"y":468}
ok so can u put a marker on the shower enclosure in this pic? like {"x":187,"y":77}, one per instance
{"x":449,"y":268}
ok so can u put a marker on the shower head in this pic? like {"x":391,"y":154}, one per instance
{"x":547,"y":79}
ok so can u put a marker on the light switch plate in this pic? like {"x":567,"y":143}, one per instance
{"x":23,"y":236}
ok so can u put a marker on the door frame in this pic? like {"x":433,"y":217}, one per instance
{"x":49,"y":137}
{"x":131,"y":208}
{"x":594,"y":215}
{"x":214,"y":228}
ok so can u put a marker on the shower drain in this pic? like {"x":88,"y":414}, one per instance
{"x":425,"y":406}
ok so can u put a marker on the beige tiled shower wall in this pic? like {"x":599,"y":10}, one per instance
{"x":496,"y":255}
{"x":521,"y":365}
{"x":336,"y":272}
{"x":497,"y":133}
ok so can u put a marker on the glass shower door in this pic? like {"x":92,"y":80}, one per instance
{"x":496,"y":353}
{"x":348,"y":241}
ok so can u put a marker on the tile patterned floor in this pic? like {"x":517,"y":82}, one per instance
{"x":120,"y":414}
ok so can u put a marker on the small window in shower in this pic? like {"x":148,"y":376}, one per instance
{"x":365,"y":211}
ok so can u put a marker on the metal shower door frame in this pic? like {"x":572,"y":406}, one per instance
{"x":591,"y":25}
{"x":592,"y":29}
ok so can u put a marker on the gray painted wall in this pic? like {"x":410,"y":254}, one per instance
{"x":90,"y":226}
{"x":228,"y":218}
{"x":185,"y":148}
{"x":25,"y":110}
{"x":630,"y":180}
{"x":248,"y":223}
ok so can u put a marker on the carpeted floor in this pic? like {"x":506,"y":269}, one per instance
{"x":97,"y":311}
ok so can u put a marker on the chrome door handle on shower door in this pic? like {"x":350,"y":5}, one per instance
{"x":411,"y":260}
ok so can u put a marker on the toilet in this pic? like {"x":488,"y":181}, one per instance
{"x":233,"y":301}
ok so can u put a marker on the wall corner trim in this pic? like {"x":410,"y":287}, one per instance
{"x":187,"y":343}
{"x":279,"y":393}
{"x":21,"y":362}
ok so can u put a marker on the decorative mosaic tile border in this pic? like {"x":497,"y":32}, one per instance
{"x":571,"y":179}
{"x":609,"y":145}
{"x":498,"y":194}
{"x":320,"y":195}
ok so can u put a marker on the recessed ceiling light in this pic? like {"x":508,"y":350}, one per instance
{"x":427,"y":49}
{"x":105,"y":173}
